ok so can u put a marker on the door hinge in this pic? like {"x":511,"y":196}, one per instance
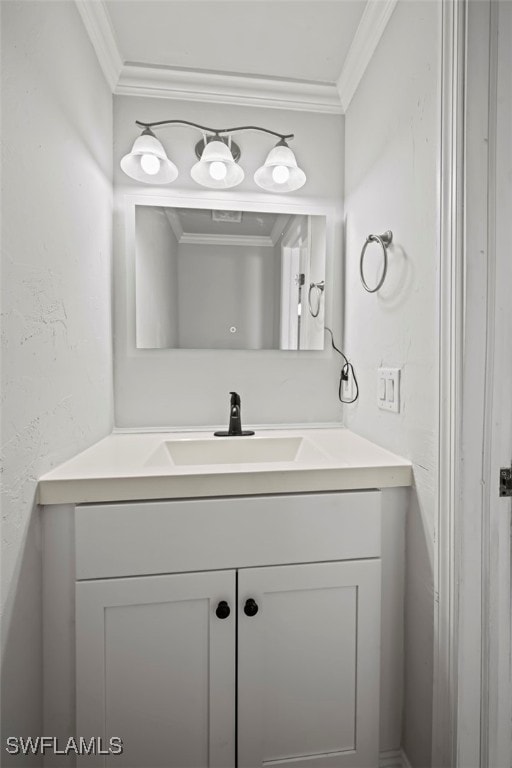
{"x":506,"y":481}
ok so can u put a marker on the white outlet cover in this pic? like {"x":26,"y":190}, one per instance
{"x":388,"y":380}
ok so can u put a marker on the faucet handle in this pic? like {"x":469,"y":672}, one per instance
{"x":235,"y":399}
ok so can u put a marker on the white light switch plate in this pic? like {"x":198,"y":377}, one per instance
{"x":388,"y":389}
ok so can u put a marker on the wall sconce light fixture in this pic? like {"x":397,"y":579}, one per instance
{"x":218,"y":156}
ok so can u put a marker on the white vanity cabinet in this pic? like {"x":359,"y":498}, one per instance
{"x":215,"y":633}
{"x":308,"y":665}
{"x":156,"y":667}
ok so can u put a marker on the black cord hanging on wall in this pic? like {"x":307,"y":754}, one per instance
{"x":347,"y":370}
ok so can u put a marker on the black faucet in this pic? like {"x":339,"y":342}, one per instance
{"x":235,"y":420}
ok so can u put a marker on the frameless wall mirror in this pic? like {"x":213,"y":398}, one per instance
{"x":228,"y":279}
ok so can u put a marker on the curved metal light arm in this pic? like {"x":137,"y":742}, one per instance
{"x":215,"y":131}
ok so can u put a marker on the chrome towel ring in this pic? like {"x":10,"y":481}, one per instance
{"x":385,"y":240}
{"x":320,"y":287}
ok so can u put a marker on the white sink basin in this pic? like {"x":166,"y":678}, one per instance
{"x":235,"y":450}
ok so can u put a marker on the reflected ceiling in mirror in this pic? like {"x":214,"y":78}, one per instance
{"x":228,"y":279}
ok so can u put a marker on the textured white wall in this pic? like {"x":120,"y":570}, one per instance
{"x":56,"y":306}
{"x":392,"y":178}
{"x":190,"y":387}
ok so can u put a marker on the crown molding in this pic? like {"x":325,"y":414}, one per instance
{"x":175,"y":222}
{"x":371,"y":27}
{"x":222,"y":88}
{"x":97,"y":24}
{"x":134,"y":79}
{"x":199,"y":238}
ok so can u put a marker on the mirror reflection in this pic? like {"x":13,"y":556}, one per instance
{"x":228,"y":279}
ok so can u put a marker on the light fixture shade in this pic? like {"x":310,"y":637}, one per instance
{"x":148,"y":144}
{"x":217,"y":151}
{"x":280,"y":155}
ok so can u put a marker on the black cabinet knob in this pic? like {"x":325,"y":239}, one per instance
{"x":223,"y":610}
{"x":251,"y":607}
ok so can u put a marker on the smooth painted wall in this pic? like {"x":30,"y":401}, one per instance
{"x":156,"y":279}
{"x":223,"y":287}
{"x":392,"y":151}
{"x":56,"y":304}
{"x":174,"y":388}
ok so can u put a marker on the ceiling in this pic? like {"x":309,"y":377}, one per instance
{"x":282,"y":39}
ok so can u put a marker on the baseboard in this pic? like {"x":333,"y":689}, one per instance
{"x":393,"y":758}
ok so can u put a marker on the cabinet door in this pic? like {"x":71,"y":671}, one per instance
{"x":308,"y":674}
{"x":156,"y":667}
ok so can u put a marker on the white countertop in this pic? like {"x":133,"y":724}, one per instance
{"x":135,"y":466}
